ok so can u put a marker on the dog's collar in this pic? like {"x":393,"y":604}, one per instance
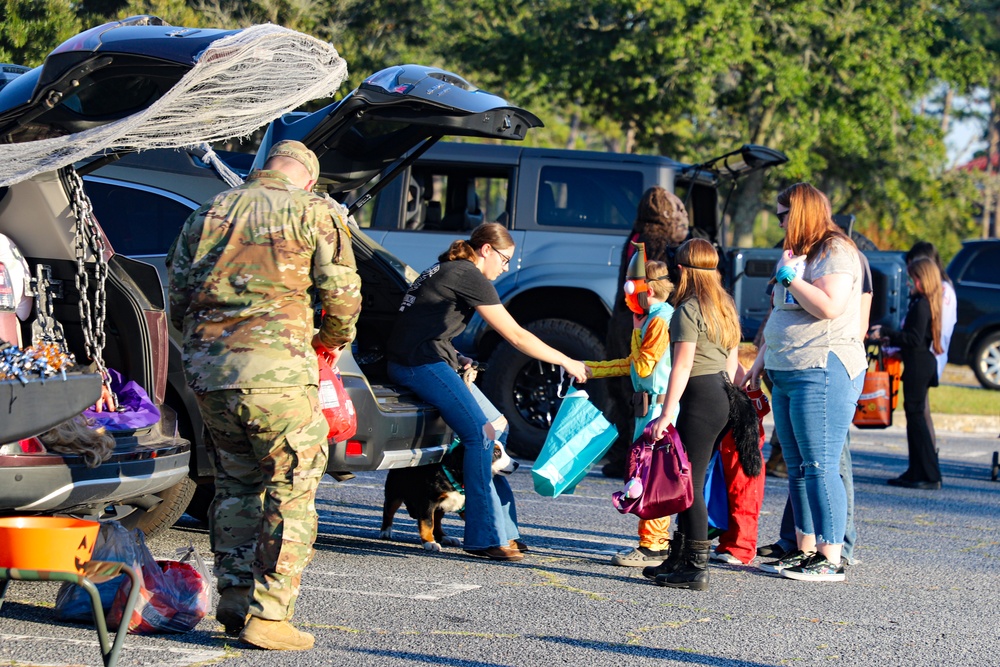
{"x":455,"y":486}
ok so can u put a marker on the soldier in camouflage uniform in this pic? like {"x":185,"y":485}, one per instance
{"x":240,"y":278}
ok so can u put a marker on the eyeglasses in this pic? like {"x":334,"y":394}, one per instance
{"x":504,"y":258}
{"x":783,"y":215}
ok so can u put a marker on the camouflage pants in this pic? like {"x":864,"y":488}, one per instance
{"x":270,"y":452}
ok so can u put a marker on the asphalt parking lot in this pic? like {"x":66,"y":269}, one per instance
{"x":925,"y":592}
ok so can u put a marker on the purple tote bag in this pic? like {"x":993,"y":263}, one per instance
{"x":659,"y":477}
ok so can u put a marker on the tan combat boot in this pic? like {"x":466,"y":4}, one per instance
{"x":276,"y":635}
{"x":234,"y":602}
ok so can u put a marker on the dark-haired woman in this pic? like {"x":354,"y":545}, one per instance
{"x":436,"y":308}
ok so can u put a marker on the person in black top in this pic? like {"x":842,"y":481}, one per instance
{"x":919,"y":340}
{"x":661,"y":225}
{"x":436,"y":308}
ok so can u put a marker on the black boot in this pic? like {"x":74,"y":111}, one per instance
{"x":674,"y":552}
{"x":692,"y":571}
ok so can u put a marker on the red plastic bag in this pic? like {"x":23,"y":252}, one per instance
{"x":336,"y":404}
{"x":174,"y":595}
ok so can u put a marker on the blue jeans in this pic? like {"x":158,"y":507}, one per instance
{"x":490,"y":514}
{"x":813,"y":409}
{"x":786,"y":538}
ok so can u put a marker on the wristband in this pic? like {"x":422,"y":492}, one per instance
{"x":785,"y":275}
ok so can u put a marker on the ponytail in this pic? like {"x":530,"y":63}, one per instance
{"x":492,"y":233}
{"x":459,"y":249}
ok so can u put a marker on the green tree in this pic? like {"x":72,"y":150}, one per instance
{"x":29,"y":29}
{"x":834,"y":85}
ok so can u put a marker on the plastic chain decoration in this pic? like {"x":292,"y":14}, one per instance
{"x":240,"y":83}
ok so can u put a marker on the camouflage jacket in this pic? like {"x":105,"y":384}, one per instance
{"x":241,"y":273}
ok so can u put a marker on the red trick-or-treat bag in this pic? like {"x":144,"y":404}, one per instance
{"x":336,"y":404}
{"x":174,"y":595}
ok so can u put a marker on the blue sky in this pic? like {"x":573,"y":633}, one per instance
{"x":963,"y":139}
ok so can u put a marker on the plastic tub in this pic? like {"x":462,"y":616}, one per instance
{"x":46,"y":543}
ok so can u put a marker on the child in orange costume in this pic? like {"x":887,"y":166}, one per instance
{"x":649,"y":365}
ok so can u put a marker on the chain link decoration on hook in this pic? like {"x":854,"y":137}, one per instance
{"x":89,"y":238}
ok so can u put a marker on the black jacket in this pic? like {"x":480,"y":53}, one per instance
{"x":914,"y":342}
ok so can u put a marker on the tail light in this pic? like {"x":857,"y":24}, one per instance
{"x":26,"y":446}
{"x":353,"y":448}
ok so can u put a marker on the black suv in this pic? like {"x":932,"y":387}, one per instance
{"x":975,"y":271}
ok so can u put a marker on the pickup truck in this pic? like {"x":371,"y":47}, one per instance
{"x":569,"y":213}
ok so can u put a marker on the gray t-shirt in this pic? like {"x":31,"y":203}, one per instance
{"x":796,"y":340}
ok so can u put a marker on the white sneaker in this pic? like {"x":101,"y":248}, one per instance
{"x":724,"y":557}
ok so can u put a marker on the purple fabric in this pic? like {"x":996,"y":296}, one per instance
{"x":138,"y":412}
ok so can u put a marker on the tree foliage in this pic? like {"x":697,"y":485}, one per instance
{"x":29,"y":29}
{"x":841,"y":87}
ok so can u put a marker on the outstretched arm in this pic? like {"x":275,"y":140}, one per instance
{"x":524,"y":341}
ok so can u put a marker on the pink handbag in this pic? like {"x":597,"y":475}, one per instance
{"x":659,"y":477}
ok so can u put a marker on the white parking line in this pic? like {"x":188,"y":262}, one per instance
{"x":393,"y":587}
{"x":165,"y":656}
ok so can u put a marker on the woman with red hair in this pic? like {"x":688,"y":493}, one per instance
{"x":815,"y":358}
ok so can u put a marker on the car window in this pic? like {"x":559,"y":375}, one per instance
{"x":443,"y":198}
{"x":594,"y":198}
{"x":365,"y":215}
{"x":983,"y":267}
{"x":137,"y":221}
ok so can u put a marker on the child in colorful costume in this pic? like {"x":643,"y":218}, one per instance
{"x":646,"y":291}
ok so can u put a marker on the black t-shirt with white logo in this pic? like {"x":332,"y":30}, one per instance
{"x":436,"y":308}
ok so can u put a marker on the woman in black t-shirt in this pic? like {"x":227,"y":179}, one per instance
{"x":436,"y":308}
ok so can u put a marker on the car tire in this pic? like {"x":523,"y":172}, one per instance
{"x":986,"y":361}
{"x":172,"y":505}
{"x":201,"y":502}
{"x":524,"y":389}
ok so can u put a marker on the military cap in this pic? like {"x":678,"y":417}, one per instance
{"x":298,"y":152}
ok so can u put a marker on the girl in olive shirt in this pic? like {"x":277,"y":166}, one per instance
{"x":704,"y":335}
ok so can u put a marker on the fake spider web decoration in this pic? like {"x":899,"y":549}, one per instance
{"x":240,"y":83}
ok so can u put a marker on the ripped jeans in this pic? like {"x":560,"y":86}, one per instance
{"x":813,"y":409}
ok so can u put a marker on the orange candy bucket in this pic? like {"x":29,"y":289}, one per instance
{"x":47,"y":543}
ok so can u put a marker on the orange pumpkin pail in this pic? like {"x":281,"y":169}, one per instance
{"x":58,"y":544}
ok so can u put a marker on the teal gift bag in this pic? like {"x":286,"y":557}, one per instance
{"x":578,"y":438}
